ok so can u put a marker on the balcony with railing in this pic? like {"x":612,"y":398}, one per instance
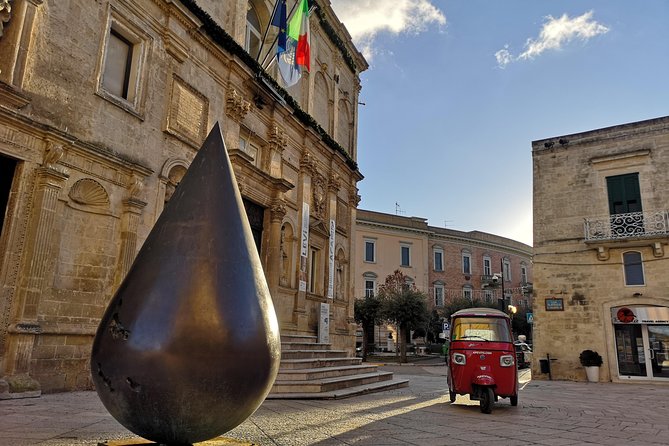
{"x":633,"y":225}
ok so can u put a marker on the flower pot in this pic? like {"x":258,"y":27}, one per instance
{"x":592,"y":373}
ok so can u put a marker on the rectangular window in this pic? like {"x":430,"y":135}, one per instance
{"x":487,"y":295}
{"x":523,"y":274}
{"x":467,"y":293}
{"x":122,"y":63}
{"x":313,"y":273}
{"x":118,"y":65}
{"x":438,"y":260}
{"x":507,"y":270}
{"x":439,"y":295}
{"x":369,"y":288}
{"x":370,"y":251}
{"x":405,"y":252}
{"x":633,"y":268}
{"x":466,"y":263}
{"x":624,"y":193}
{"x":487,"y":266}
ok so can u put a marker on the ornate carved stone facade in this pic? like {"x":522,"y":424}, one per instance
{"x":90,"y":154}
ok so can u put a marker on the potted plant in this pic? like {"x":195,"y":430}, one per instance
{"x":591,"y":361}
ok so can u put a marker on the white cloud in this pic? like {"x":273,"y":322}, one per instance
{"x":364,"y":19}
{"x":555,"y":33}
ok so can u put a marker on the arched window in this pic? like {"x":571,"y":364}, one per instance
{"x":253,"y":37}
{"x":633,"y":265}
{"x":322,"y":102}
{"x":344,"y":126}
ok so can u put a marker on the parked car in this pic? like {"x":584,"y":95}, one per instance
{"x":523,"y":354}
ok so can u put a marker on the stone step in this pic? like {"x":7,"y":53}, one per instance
{"x":330,"y":384}
{"x":303,"y":346}
{"x":323,"y":372}
{"x":305,"y":354}
{"x":299,"y":338}
{"x":343,"y":393}
{"x":312,"y":363}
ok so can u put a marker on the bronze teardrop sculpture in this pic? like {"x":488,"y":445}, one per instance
{"x":189,"y":346}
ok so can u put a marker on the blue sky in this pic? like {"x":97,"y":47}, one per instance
{"x":457,"y":91}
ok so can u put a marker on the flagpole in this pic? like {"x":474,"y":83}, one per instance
{"x":271,"y":19}
{"x":275,"y":38}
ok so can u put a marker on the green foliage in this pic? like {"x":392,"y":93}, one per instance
{"x":403,"y":305}
{"x":367,"y":310}
{"x":590,"y":358}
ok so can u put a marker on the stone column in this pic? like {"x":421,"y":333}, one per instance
{"x":50,"y":180}
{"x":334,"y":184}
{"x":307,"y":167}
{"x":132,"y":211}
{"x":277,"y":212}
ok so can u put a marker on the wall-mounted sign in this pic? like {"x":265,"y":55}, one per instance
{"x":554,"y":304}
{"x":530,"y":318}
{"x":640,"y":315}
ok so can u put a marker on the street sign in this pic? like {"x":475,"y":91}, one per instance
{"x":446,"y":326}
{"x":530,"y":318}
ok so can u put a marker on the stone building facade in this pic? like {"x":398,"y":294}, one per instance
{"x":104,"y":104}
{"x":446,"y":264}
{"x":601,"y":231}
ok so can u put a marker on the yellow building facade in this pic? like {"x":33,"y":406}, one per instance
{"x":601,"y":231}
{"x":104,"y":104}
{"x":445,"y":264}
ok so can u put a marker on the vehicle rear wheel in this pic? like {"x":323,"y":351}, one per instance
{"x":451,"y":396}
{"x":487,"y":398}
{"x":514,"y":400}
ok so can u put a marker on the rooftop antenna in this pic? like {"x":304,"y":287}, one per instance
{"x":446,"y":222}
{"x":398,"y":209}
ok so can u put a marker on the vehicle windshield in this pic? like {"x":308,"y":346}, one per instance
{"x":480,"y":329}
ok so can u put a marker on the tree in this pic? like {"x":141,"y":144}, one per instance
{"x":367,"y":312}
{"x":403,"y":305}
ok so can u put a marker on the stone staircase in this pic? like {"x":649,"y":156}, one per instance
{"x":310,"y":370}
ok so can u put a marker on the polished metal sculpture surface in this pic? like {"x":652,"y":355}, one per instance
{"x":189,"y":346}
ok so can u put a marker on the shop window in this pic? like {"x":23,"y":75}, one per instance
{"x":633,"y":266}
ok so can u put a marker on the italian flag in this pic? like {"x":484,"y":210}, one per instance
{"x":298,"y":30}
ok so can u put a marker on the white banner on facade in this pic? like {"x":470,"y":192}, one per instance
{"x":324,"y":324}
{"x":304,"y":247}
{"x":332,"y":259}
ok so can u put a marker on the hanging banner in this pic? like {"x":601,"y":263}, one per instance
{"x":324,"y":324}
{"x":304,"y":247}
{"x":332,"y":259}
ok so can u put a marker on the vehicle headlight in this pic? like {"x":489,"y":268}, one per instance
{"x":459,"y":358}
{"x":506,"y":360}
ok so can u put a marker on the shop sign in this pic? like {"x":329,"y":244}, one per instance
{"x":554,"y":304}
{"x":640,"y":315}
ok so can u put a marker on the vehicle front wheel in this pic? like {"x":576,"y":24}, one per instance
{"x":514,"y":400}
{"x":487,"y":398}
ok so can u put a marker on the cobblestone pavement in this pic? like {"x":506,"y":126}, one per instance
{"x":548,"y":413}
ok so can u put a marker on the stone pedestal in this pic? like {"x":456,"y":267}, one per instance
{"x":218,"y":441}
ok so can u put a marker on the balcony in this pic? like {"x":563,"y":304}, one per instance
{"x":627,"y":226}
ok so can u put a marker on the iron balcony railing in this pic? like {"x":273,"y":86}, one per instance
{"x":631,"y":225}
